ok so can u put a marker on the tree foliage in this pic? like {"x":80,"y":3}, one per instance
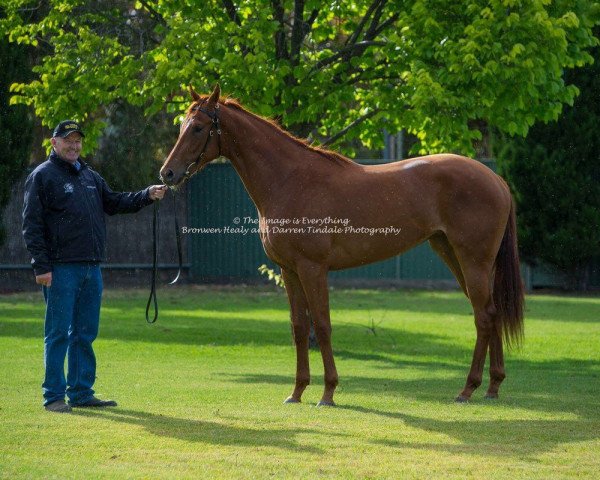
{"x":15,"y":122}
{"x":329,"y":70}
{"x":131,"y":145}
{"x":555,"y":176}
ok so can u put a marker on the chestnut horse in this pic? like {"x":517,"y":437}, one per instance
{"x":461,"y":207}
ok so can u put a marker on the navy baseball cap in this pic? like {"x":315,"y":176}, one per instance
{"x":67,"y":127}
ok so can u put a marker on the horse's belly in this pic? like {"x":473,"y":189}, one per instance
{"x":373,"y":244}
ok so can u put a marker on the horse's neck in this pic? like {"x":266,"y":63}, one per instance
{"x":261,"y":155}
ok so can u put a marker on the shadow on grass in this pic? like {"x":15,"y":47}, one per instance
{"x":560,"y":386}
{"x":205,"y":331}
{"x":187,"y":317}
{"x":435,"y":348}
{"x":219,"y":331}
{"x":203,"y":431}
{"x":364,"y":300}
{"x":519,"y":438}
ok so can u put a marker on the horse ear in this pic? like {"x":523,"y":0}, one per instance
{"x":195,"y":95}
{"x":214,"y":96}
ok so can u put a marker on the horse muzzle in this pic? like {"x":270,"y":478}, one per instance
{"x":169,"y":177}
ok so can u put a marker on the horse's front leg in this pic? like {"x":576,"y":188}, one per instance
{"x":313,"y":277}
{"x":300,"y":330}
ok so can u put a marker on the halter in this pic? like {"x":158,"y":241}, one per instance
{"x":214,"y":116}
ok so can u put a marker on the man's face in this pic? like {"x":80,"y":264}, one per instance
{"x":68,"y":148}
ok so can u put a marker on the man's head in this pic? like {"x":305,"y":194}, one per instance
{"x":66,"y":140}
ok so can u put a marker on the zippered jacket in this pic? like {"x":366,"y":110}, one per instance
{"x":63,"y":213}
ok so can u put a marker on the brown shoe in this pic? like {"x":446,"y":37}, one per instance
{"x":95,"y":403}
{"x":59,"y":406}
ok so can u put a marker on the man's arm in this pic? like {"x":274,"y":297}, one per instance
{"x":34,"y":231}
{"x":128,"y":202}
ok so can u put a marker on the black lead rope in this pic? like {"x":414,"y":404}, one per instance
{"x":154,"y":266}
{"x":155,"y":243}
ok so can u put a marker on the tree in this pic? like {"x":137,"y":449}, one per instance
{"x":442,"y":70}
{"x":131,"y":146}
{"x":15,"y":122}
{"x":555,"y":176}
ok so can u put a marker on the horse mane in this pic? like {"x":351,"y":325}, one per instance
{"x":302,"y":142}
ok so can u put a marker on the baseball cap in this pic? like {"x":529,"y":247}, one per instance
{"x":66,"y":127}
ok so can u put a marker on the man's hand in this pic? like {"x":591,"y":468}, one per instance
{"x":157,"y":192}
{"x":44,"y":279}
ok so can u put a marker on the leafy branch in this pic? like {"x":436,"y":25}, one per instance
{"x":334,"y":138}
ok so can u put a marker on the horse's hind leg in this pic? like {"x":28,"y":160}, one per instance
{"x":300,"y":330}
{"x":478,"y":280}
{"x":497,"y":373}
{"x":442,"y":247}
{"x":439,"y":243}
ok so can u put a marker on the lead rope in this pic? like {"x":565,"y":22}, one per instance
{"x":154,"y":266}
{"x":155,"y":243}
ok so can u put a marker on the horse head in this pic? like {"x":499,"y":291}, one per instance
{"x":199,"y":139}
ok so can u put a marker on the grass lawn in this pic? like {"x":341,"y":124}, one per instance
{"x":200,"y":392}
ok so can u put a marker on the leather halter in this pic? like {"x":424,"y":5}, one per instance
{"x":215,"y":126}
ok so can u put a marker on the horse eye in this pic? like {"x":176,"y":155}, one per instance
{"x":198,"y":129}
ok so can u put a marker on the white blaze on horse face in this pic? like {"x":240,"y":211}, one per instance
{"x":415,"y":163}
{"x":185,"y":125}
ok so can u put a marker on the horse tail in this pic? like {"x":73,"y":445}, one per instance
{"x":508,"y":286}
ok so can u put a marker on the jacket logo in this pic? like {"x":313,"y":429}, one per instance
{"x":68,"y":187}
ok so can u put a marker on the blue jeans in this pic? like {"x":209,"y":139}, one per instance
{"x":72,"y":318}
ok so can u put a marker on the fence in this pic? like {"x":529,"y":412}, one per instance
{"x":218,"y":198}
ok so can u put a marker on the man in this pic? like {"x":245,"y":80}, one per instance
{"x":64,"y":230}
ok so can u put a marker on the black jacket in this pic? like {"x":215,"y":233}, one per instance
{"x":63,"y":213}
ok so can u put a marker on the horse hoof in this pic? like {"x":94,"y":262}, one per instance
{"x":325,"y":404}
{"x":291,"y":400}
{"x":491,"y":396}
{"x":461,"y":399}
